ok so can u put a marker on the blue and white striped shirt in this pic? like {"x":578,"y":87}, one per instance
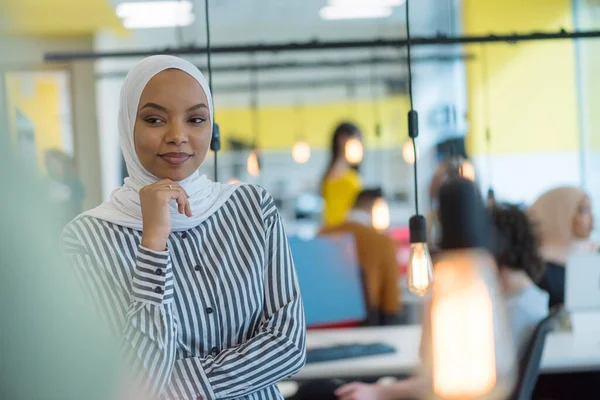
{"x":217,"y":316}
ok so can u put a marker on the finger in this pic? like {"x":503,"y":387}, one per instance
{"x":186,"y":208}
{"x":346,"y":389}
{"x":350,"y":396}
{"x":173,"y":185}
{"x":179,"y":196}
{"x":182,"y":202}
{"x":163,"y":183}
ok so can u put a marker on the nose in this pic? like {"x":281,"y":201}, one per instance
{"x":177,"y":134}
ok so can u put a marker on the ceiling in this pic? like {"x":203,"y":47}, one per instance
{"x":57,"y":17}
{"x":80,"y":17}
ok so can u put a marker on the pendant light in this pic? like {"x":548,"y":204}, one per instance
{"x":253,"y":162}
{"x":375,"y":98}
{"x":215,"y":142}
{"x":469,"y":352}
{"x":419,"y":272}
{"x":491,"y":198}
{"x":467,"y":170}
{"x":408,"y":153}
{"x":301,"y":152}
{"x":301,"y":149}
{"x":380,"y":215}
{"x":376,"y":102}
{"x":353,"y":150}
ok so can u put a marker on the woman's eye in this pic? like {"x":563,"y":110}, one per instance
{"x":197,"y":120}
{"x":153,"y":120}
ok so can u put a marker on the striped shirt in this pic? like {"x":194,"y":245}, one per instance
{"x":216,"y":316}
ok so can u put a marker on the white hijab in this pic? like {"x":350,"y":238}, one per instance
{"x":124,"y":207}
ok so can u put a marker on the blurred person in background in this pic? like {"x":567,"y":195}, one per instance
{"x":449,"y":168}
{"x":195,"y":277}
{"x":377,"y":259}
{"x":66,"y":189}
{"x":51,"y":347}
{"x":519,"y":266}
{"x":341,"y":182}
{"x":565,"y":221}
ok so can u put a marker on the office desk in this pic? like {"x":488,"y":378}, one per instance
{"x":563,"y":352}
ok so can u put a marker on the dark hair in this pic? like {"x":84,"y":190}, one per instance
{"x":368,"y":196}
{"x":518,"y":241}
{"x":345,"y":128}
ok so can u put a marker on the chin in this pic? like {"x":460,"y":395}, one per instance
{"x":175,"y":175}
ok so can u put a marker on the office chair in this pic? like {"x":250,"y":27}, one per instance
{"x":530,"y":363}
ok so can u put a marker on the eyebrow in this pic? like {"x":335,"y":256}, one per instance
{"x":161,"y":108}
{"x":197,"y":106}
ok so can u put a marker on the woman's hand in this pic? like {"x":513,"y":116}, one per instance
{"x":156,"y":217}
{"x":360,"y":391}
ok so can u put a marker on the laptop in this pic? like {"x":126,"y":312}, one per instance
{"x":582,"y":282}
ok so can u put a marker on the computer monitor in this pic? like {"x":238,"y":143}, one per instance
{"x":330,"y":280}
{"x":582,"y":284}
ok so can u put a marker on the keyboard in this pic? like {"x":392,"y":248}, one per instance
{"x":345,"y":351}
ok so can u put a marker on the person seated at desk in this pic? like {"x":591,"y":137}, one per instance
{"x":565,"y":221}
{"x":519,"y":266}
{"x":377,"y":258}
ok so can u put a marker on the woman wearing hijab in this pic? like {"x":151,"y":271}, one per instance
{"x":565,"y":223}
{"x":196,"y":277}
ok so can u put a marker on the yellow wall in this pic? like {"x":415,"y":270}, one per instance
{"x":58,"y":17}
{"x":41,"y":107}
{"x":532,"y":85}
{"x":590,"y":58}
{"x":280,"y":127}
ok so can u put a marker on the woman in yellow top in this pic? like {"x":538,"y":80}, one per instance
{"x":341,"y":182}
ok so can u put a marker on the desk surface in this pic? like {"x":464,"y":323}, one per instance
{"x":563,"y":352}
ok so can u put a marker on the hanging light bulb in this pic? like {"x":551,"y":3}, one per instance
{"x":419,"y":275}
{"x":408,"y":153}
{"x":380,"y":215}
{"x":469,"y":351}
{"x":419,"y":272}
{"x":467,"y":170}
{"x":301,"y":152}
{"x":252,"y":164}
{"x":233,"y":181}
{"x":353,"y":151}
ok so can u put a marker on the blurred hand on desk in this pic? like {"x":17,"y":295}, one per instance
{"x":361,"y":391}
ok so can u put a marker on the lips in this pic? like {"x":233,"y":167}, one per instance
{"x":175,"y":158}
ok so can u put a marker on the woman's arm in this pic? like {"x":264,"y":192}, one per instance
{"x":277,"y":349}
{"x":411,"y":388}
{"x":143,"y":317}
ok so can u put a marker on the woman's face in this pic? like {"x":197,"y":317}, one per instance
{"x":583,"y":223}
{"x":172,"y":130}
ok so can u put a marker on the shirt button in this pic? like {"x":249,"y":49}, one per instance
{"x":184,"y":236}
{"x":197,"y":268}
{"x":159,"y":272}
{"x":158,"y":290}
{"x":214,"y":350}
{"x":209,"y":310}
